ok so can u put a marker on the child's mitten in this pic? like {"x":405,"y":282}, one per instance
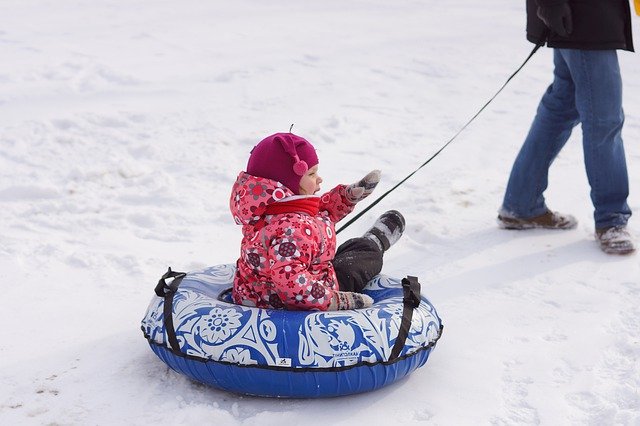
{"x":343,"y":300}
{"x":360,"y":190}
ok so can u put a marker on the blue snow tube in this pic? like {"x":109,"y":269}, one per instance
{"x":195,"y":328}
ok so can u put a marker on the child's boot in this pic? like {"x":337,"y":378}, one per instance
{"x":387,"y":229}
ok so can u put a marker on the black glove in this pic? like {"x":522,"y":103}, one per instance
{"x":557,"y":17}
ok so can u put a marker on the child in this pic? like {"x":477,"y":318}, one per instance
{"x":288,"y":257}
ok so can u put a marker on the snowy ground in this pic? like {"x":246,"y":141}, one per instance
{"x":123,"y":125}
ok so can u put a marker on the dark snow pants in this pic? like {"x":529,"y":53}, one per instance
{"x":357,"y":261}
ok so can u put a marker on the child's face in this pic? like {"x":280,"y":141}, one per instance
{"x":310,"y":182}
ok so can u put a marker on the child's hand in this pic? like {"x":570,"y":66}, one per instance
{"x":344,"y":300}
{"x":360,"y":190}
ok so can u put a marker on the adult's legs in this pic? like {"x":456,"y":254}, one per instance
{"x":356,"y":262}
{"x":596,"y":74}
{"x":555,"y":118}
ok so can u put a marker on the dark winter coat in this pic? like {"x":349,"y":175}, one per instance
{"x":597,"y":25}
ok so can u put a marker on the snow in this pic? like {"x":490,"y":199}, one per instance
{"x":124,"y":125}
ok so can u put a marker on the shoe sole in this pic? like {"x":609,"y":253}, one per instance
{"x":617,"y":250}
{"x":625,"y":252}
{"x":522,"y":226}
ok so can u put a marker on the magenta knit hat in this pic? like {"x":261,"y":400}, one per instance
{"x":284,"y":157}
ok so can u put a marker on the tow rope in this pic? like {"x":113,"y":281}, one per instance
{"x":380,"y":198}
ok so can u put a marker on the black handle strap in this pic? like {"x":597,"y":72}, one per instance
{"x":167,"y":291}
{"x":410,"y":300}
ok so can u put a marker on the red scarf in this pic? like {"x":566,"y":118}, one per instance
{"x":309,"y":205}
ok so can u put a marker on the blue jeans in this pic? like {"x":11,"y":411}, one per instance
{"x":587,"y":89}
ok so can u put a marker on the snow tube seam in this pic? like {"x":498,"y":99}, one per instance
{"x":181,"y":354}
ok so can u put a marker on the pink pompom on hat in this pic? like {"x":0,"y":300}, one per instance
{"x":283,"y":157}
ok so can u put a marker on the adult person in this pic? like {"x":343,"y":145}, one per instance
{"x":586,"y":89}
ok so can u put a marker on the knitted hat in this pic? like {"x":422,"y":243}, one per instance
{"x":284,"y":157}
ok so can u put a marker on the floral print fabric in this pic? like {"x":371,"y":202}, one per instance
{"x":285,"y":259}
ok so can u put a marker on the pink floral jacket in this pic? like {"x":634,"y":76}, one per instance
{"x":285,"y":259}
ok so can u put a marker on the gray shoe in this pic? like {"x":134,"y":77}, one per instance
{"x":615,"y":240}
{"x":387,"y":230}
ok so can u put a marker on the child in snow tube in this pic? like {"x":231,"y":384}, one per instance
{"x":288,"y":257}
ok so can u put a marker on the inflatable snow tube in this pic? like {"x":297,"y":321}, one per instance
{"x":194,"y":327}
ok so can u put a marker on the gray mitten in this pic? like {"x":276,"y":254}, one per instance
{"x":360,"y":190}
{"x":344,"y":300}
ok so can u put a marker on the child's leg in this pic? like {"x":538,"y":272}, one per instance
{"x":356,"y":262}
